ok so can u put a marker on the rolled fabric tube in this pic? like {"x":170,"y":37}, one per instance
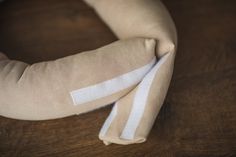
{"x":133,"y":73}
{"x":71,"y":85}
{"x":140,"y":18}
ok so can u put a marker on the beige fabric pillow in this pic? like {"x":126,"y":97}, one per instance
{"x":133,"y":72}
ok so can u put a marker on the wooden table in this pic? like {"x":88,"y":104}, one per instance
{"x":198,"y":118}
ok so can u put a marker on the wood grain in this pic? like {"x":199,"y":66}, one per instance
{"x":198,"y":117}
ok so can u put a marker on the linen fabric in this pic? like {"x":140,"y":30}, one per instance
{"x":133,"y":73}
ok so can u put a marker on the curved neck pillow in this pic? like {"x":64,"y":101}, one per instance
{"x":133,"y":73}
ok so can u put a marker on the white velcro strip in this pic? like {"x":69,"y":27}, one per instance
{"x":112,"y":86}
{"x":140,"y":100}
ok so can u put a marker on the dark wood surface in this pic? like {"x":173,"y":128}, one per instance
{"x":198,"y":118}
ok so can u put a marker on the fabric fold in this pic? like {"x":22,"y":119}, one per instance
{"x":134,"y":114}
